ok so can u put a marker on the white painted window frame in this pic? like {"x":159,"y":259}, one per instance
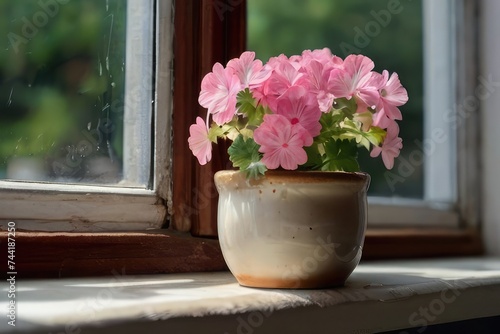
{"x":451,"y":153}
{"x":140,"y":201}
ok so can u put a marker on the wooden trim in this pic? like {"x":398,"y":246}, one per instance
{"x":205,"y":32}
{"x":79,"y":208}
{"x":50,"y":255}
{"x":42,"y":254}
{"x":418,"y":242}
{"x":469,"y":154}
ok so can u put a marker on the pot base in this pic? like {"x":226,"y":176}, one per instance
{"x":272,"y":283}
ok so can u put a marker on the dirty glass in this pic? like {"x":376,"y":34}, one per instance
{"x":387,"y":31}
{"x":62,"y":70}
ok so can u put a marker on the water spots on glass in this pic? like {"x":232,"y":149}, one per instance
{"x":109,"y":39}
{"x":9,"y":101}
{"x":63,"y":91}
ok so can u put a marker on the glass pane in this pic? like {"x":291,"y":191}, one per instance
{"x":62,"y":90}
{"x":389,"y":32}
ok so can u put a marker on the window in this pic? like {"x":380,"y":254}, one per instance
{"x":203,"y":32}
{"x":85,"y":132}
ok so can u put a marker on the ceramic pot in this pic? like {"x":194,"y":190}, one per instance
{"x":292,"y":229}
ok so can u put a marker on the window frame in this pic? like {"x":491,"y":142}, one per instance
{"x":198,"y":26}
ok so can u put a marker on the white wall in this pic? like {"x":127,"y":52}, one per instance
{"x":490,"y":66}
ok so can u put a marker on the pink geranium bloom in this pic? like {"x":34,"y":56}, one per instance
{"x":356,"y":79}
{"x":381,"y":120}
{"x":218,"y":93}
{"x":282,"y":142}
{"x":391,"y":146}
{"x":198,"y":141}
{"x":251,"y":72}
{"x":323,"y":56}
{"x":319,"y":76}
{"x":392,"y":95}
{"x":285,"y":75}
{"x":300,"y":107}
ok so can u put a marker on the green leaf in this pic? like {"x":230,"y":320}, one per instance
{"x":247,"y":105}
{"x":348,"y":107}
{"x":245,"y":102}
{"x":255,"y":169}
{"x":314,"y":158}
{"x":376,"y":135}
{"x":245,"y":155}
{"x":256,"y":117}
{"x":352,"y":130}
{"x":214,"y":132}
{"x":341,"y":155}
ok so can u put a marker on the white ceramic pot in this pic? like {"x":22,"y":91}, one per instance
{"x":292,"y":229}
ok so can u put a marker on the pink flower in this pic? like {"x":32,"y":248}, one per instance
{"x":356,"y":80}
{"x":218,"y":93}
{"x":198,"y":141}
{"x":285,"y":75}
{"x":282,"y":142}
{"x":319,"y":75}
{"x":300,"y":107}
{"x":390,"y":147}
{"x":324,"y":56}
{"x":392,"y":95}
{"x":250,"y":72}
{"x":381,"y":120}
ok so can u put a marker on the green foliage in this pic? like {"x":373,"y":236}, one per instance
{"x":314,"y":158}
{"x":245,"y":155}
{"x":247,"y":105}
{"x":245,"y":102}
{"x":340,"y":155}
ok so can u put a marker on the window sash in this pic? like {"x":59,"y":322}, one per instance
{"x":139,"y":92}
{"x":451,"y":166}
{"x":139,"y":202}
{"x":440,"y":26}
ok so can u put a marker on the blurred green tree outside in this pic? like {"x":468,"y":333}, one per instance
{"x":387,"y":31}
{"x":62,"y":69}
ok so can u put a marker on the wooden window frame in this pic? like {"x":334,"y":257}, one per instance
{"x":206,"y":31}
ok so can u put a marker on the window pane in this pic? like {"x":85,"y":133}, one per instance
{"x":62,"y":70}
{"x":389,"y":32}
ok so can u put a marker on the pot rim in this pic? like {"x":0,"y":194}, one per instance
{"x":294,"y":176}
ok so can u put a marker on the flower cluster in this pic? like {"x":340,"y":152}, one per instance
{"x":309,"y":111}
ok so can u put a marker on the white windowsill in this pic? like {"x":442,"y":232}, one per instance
{"x":379,"y":296}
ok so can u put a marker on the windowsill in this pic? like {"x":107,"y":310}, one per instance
{"x":379,"y":296}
